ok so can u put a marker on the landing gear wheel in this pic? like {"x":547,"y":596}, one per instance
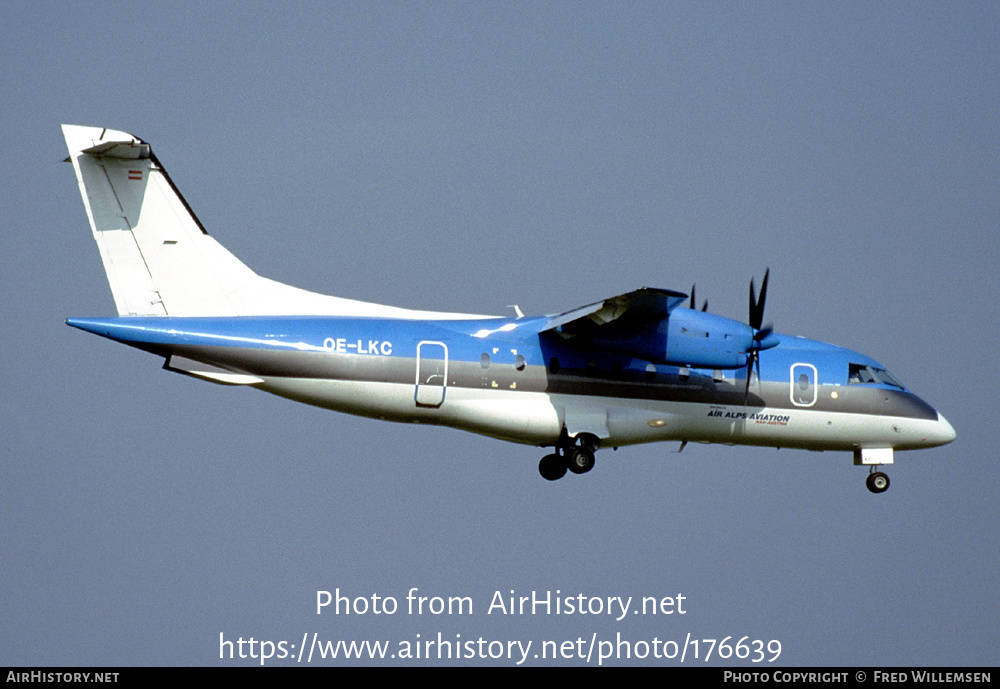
{"x":877,"y":482}
{"x":580,"y":460}
{"x":552,"y":467}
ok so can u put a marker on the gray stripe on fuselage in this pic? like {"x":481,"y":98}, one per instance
{"x":628,"y":384}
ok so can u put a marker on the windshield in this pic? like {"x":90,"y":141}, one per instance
{"x":859,"y":374}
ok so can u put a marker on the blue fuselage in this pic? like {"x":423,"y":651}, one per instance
{"x":507,"y":378}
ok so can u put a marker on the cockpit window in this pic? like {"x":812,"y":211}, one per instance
{"x":888,"y":378}
{"x":858,"y":374}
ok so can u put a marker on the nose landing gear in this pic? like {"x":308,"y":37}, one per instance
{"x":877,"y":482}
{"x":874,"y":458}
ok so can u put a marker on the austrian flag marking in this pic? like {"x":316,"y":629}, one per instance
{"x":135,"y":174}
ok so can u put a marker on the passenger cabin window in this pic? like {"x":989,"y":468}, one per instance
{"x":860,"y":374}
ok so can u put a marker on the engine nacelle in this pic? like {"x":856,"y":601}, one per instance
{"x":691,"y":338}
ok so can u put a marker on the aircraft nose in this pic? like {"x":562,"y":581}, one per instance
{"x":942,"y":434}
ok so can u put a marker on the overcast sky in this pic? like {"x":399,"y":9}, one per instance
{"x":465,"y":157}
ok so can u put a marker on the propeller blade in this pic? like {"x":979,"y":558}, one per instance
{"x":757,"y":305}
{"x":704,"y":306}
{"x":763,"y":298}
{"x":760,"y":333}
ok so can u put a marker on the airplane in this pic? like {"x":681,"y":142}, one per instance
{"x":639,"y":367}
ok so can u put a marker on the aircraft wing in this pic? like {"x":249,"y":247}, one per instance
{"x":642,"y":308}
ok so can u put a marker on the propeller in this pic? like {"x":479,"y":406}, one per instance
{"x":760,"y":332}
{"x":704,"y":307}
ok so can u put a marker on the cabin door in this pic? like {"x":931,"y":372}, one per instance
{"x":432,"y":373}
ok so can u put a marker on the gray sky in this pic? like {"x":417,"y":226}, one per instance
{"x":465,"y":157}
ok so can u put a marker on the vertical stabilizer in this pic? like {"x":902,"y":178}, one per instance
{"x":159,"y":258}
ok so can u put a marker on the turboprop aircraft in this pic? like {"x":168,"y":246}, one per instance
{"x":635,"y":368}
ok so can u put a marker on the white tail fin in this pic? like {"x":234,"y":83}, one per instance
{"x":158,"y":257}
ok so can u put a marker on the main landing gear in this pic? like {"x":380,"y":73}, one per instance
{"x":578,"y":457}
{"x":877,"y":482}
